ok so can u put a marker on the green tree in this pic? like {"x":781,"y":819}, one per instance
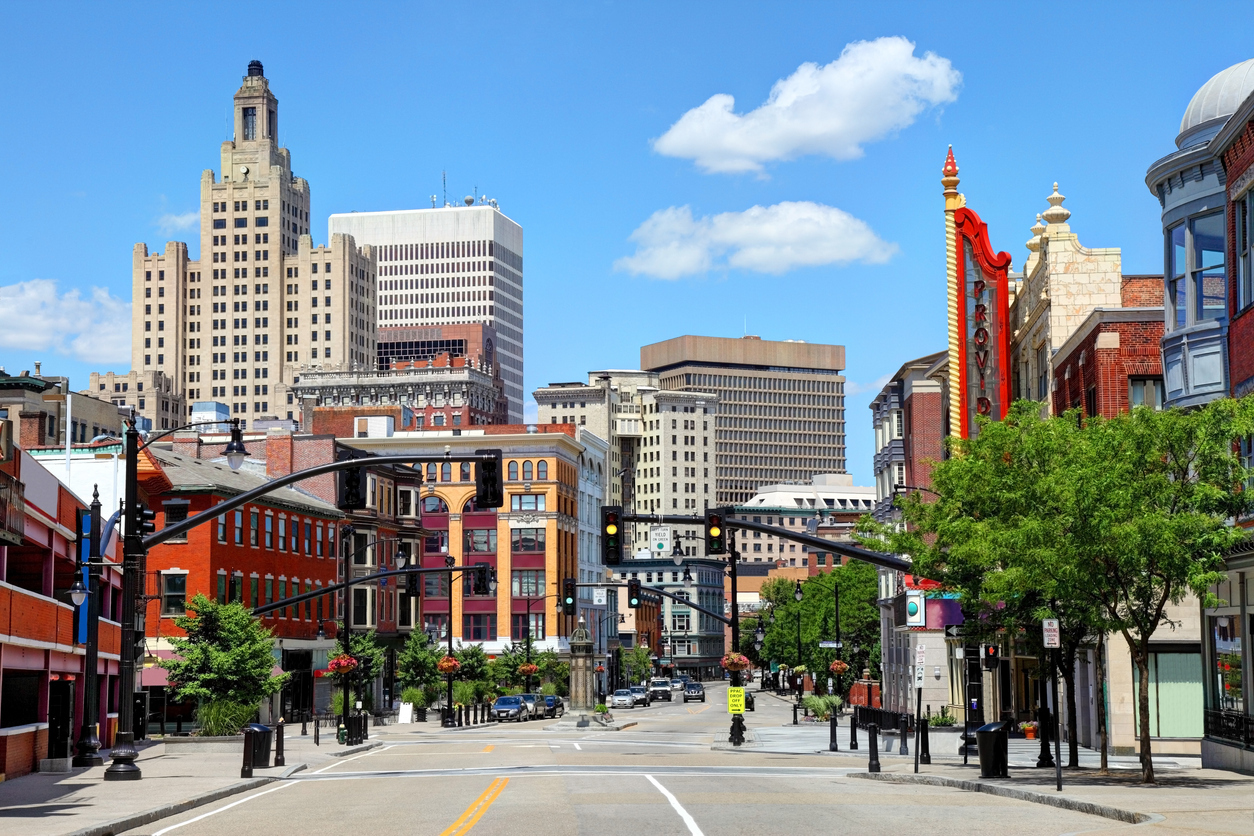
{"x":225,"y":661}
{"x":415,"y":665}
{"x":365,"y":648}
{"x":474,"y":663}
{"x":637,"y":664}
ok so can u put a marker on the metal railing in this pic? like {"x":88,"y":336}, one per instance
{"x":1231,"y":727}
{"x":864,"y":715}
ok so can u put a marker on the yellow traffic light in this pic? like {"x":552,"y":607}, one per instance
{"x":715,"y":531}
{"x":611,"y":529}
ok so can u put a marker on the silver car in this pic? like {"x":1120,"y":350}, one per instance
{"x":534,"y":706}
{"x":622,"y":698}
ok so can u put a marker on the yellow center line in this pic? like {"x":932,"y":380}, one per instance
{"x":475,"y":811}
{"x":488,"y":748}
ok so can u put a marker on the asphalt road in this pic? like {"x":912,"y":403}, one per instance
{"x":660,"y":777}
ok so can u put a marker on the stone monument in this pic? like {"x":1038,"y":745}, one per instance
{"x":582,"y":680}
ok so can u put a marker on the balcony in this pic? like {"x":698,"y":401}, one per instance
{"x":1195,"y":364}
{"x":12,"y":510}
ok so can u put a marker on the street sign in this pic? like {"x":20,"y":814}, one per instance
{"x":953,"y":631}
{"x":918,"y":676}
{"x":920,"y":654}
{"x":837,"y":645}
{"x":660,"y":539}
{"x":598,"y":596}
{"x":735,"y":700}
{"x":1050,"y":625}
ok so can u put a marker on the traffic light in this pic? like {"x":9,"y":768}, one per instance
{"x":350,"y":495}
{"x":409,"y":583}
{"x":143,"y":520}
{"x":489,"y":489}
{"x":611,"y":535}
{"x":481,"y":579}
{"x":568,"y":596}
{"x":633,"y":593}
{"x":715,"y":535}
{"x":990,"y":657}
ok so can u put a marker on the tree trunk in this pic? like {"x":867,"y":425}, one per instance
{"x":1068,"y":676}
{"x":1101,"y":697}
{"x":1140,"y":655}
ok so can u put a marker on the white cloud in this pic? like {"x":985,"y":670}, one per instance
{"x":873,"y":89}
{"x":37,"y":317}
{"x":771,"y":239}
{"x":852,"y":388}
{"x":169,"y":224}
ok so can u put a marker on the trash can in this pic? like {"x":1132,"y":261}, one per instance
{"x":262,"y":736}
{"x":993,"y":743}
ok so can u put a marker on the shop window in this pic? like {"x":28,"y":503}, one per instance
{"x":1226,"y":646}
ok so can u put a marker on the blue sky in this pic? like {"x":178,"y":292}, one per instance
{"x":554,"y":110}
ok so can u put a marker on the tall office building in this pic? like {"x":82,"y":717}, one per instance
{"x":442,"y":268}
{"x":781,"y":415}
{"x":208,"y":324}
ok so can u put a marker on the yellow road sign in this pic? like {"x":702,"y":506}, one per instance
{"x":735,"y":700}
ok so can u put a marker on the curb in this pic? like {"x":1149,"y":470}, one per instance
{"x":353,"y":750}
{"x":291,"y":770}
{"x":121,"y":825}
{"x":1060,"y":801}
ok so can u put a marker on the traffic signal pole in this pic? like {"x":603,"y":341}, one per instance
{"x":123,"y":767}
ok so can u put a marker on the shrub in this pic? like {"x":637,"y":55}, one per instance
{"x":942,"y":719}
{"x":463,"y":693}
{"x":430,"y":694}
{"x":414,"y":696}
{"x":601,"y":709}
{"x":223,"y":717}
{"x":548,"y":689}
{"x":822,"y":707}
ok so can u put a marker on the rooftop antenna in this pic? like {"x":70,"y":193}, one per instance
{"x":434,"y":198}
{"x":444,"y":180}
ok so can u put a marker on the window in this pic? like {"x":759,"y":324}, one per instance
{"x":434,"y":505}
{"x":1177,"y":289}
{"x":173,"y":593}
{"x":479,"y":627}
{"x":435,"y":585}
{"x":436,"y":543}
{"x":527,"y":502}
{"x":222,"y":528}
{"x":527,"y":539}
{"x":482,"y":540}
{"x":513,"y":471}
{"x":239,"y":528}
{"x":1245,"y":286}
{"x":1042,"y":373}
{"x":446,"y":471}
{"x":250,"y":123}
{"x":526,"y":471}
{"x":468,"y":590}
{"x":518,"y":626}
{"x":681,"y":621}
{"x":463,"y":471}
{"x":1208,"y":266}
{"x":269,"y":531}
{"x":282,"y":534}
{"x":175,"y":512}
{"x":542,"y":471}
{"x":252,"y":528}
{"x":1145,"y":391}
{"x":527,"y":583}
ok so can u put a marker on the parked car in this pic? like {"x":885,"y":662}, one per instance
{"x":694,"y":691}
{"x":623,"y":698}
{"x":508,"y":708}
{"x":748,"y":700}
{"x":640,"y":696}
{"x":554,"y":707}
{"x":677,"y":685}
{"x":532,"y":701}
{"x":660,"y":689}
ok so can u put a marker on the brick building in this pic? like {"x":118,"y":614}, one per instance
{"x":1113,"y":360}
{"x":909,"y":418}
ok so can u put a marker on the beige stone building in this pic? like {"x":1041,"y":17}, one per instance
{"x":150,"y":395}
{"x":1062,"y":283}
{"x":262,"y":302}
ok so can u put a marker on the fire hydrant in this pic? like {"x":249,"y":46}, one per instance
{"x":341,"y":736}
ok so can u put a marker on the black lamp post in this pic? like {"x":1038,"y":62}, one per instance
{"x":797,"y":596}
{"x":123,"y":767}
{"x":88,"y":744}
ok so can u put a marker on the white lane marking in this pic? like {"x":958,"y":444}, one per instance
{"x":220,"y":809}
{"x":577,"y":746}
{"x":337,"y":763}
{"x":683,"y":814}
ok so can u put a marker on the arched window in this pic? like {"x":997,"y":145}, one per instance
{"x":431,"y":472}
{"x":471,"y":507}
{"x":465,"y":472}
{"x":542,"y":470}
{"x":446,"y":472}
{"x":434,"y":505}
{"x":526,"y":471}
{"x":513,"y":471}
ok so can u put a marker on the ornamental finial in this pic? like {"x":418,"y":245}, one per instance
{"x":951,"y":167}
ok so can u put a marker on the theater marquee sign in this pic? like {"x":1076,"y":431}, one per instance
{"x":983,"y":323}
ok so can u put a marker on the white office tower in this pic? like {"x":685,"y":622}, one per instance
{"x":442,"y":268}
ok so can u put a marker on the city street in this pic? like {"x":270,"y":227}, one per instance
{"x":658,"y":777}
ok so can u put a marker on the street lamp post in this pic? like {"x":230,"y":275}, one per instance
{"x":737,"y":736}
{"x":89,"y":740}
{"x":797,"y":596}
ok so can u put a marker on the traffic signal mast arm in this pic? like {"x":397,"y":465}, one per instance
{"x":248,"y":496}
{"x":679,"y":598}
{"x":888,"y":561}
{"x":336,"y":587}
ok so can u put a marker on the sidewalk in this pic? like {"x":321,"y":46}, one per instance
{"x":82,"y":803}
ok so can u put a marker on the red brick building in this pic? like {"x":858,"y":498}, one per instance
{"x":1234,"y":146}
{"x":1113,"y":360}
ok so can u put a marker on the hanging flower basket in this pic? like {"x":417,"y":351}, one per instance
{"x":528,"y":669}
{"x":342,"y":664}
{"x":448,"y":665}
{"x":838,"y":667}
{"x":736,"y":662}
{"x":600,"y":668}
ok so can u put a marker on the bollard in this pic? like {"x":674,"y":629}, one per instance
{"x":246,"y":771}
{"x":925,"y":748}
{"x":853,"y":731}
{"x":304,"y":723}
{"x":278,"y":744}
{"x":1043,"y":727}
{"x":461,"y":714}
{"x":905,"y":735}
{"x":316,"y":725}
{"x":873,"y":749}
{"x":832,"y":745}
{"x":794,"y":714}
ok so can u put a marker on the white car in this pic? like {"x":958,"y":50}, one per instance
{"x":623,"y":698}
{"x":677,"y":685}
